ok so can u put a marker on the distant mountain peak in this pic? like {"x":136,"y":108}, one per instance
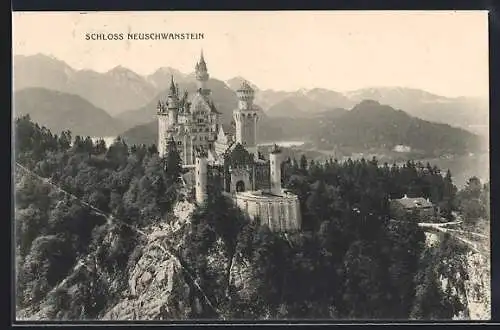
{"x":118,"y":69}
{"x":42,"y":58}
{"x":368,"y":102}
{"x":123,"y":72}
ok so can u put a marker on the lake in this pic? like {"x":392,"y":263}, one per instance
{"x":107,"y":139}
{"x":462,"y":168}
{"x":286,"y":144}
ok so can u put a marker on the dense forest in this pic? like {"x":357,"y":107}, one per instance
{"x":349,"y":261}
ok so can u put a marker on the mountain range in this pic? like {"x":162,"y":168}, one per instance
{"x":130,"y":99}
{"x":60,"y":111}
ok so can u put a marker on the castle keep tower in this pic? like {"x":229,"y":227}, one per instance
{"x":275,"y":170}
{"x":246,"y":117}
{"x":167,"y":113}
{"x":202,"y":76}
{"x":201,"y":177}
{"x":172,"y":104}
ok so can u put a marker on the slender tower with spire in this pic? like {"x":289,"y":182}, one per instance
{"x":167,"y":117}
{"x":172,"y":104}
{"x":202,"y":75}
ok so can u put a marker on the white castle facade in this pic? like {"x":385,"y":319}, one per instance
{"x":230,"y":161}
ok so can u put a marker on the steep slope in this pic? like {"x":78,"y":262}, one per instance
{"x":372,"y":125}
{"x":116,"y":90}
{"x":41,"y":71}
{"x":62,"y":111}
{"x":328,"y":98}
{"x":302,"y":103}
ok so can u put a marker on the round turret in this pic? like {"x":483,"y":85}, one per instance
{"x":275,"y":169}
{"x":201,"y":167}
{"x":245,"y":92}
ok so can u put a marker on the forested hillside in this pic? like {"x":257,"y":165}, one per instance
{"x":139,"y":256}
{"x":371,"y":125}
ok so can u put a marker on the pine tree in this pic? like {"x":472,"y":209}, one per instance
{"x":303,"y":164}
{"x":449,"y":196}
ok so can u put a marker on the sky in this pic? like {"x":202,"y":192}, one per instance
{"x":442,"y":52}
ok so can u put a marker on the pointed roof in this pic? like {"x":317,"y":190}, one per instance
{"x":221,"y":136}
{"x":202,"y":59}
{"x":172,"y":89}
{"x":201,"y":65}
{"x":237,"y":155}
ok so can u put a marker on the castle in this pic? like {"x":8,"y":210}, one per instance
{"x":230,"y":162}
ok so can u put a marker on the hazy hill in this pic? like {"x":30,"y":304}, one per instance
{"x":293,"y":108}
{"x":267,"y":98}
{"x":370,"y":125}
{"x":115,"y":90}
{"x":41,"y":71}
{"x":62,"y":111}
{"x":461,"y":111}
{"x":464,"y":112}
{"x":162,"y":77}
{"x":304,"y":101}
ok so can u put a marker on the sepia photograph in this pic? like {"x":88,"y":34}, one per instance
{"x":251,"y":165}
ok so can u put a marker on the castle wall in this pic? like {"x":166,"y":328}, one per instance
{"x":240,"y":174}
{"x":262,"y":177}
{"x":279,"y":213}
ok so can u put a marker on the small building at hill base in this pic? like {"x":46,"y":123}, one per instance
{"x":402,"y":207}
